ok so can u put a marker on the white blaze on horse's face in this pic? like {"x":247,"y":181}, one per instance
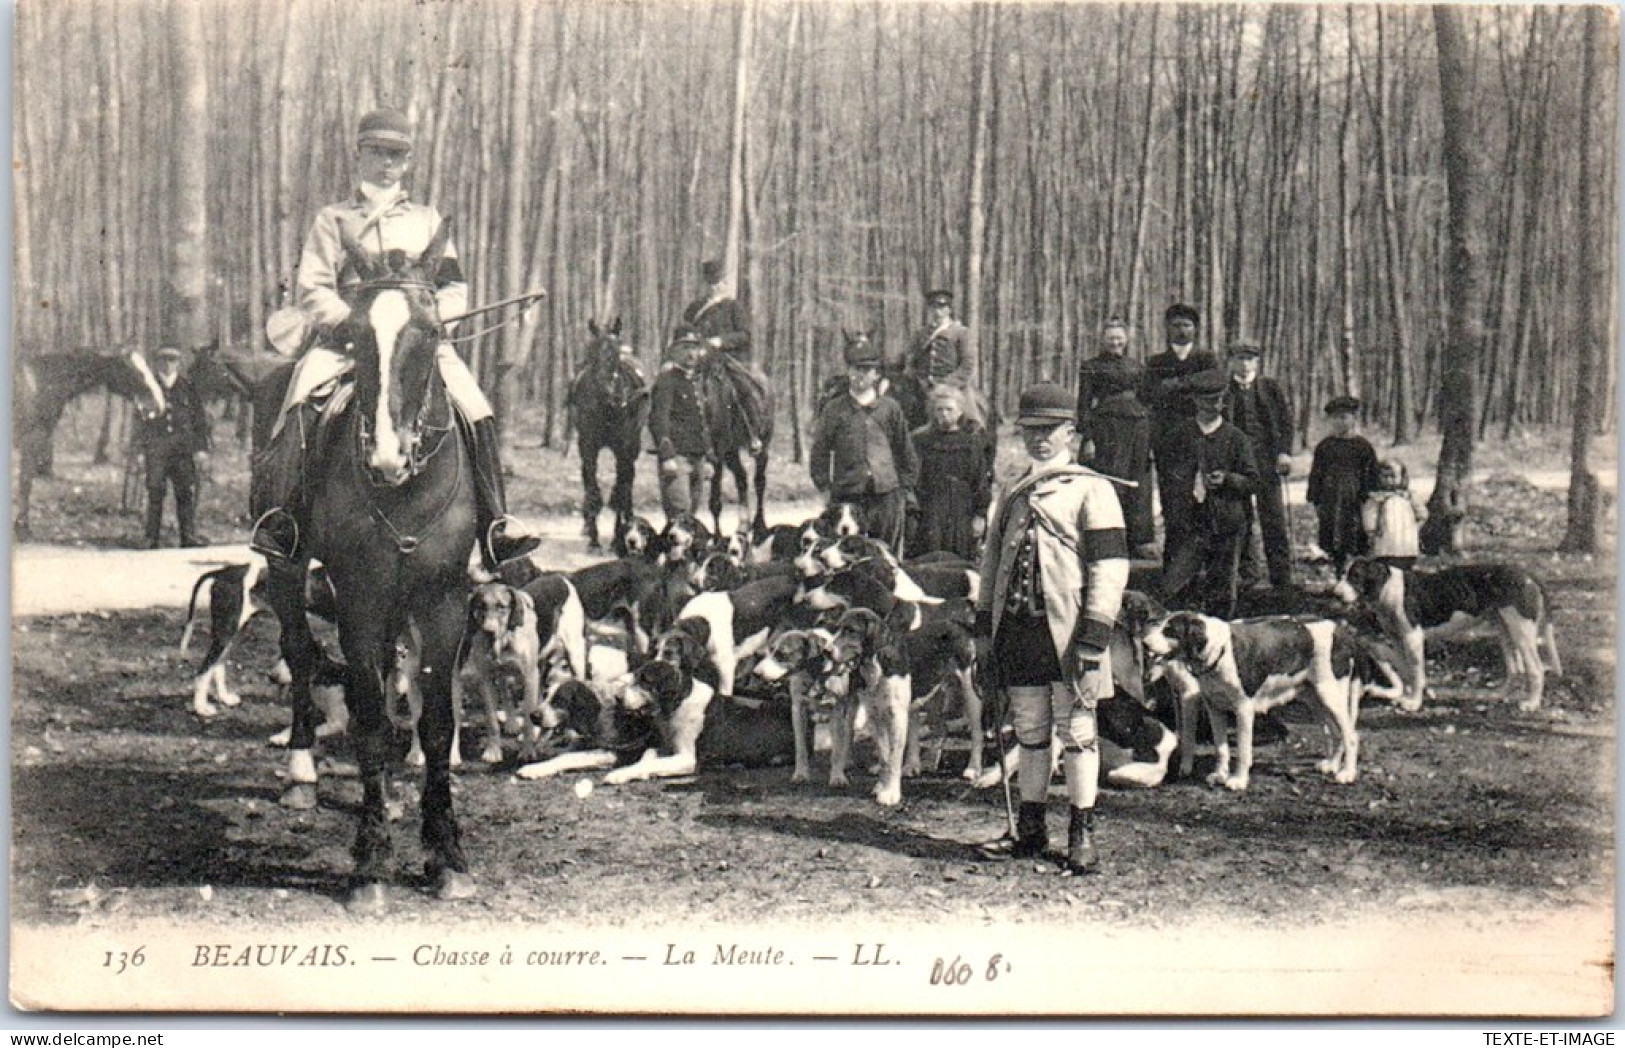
{"x":155,"y":389}
{"x":388,"y":314}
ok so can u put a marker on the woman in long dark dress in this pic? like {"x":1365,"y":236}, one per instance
{"x":956,"y":478}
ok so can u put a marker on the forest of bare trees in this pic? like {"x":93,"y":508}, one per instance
{"x":1285,"y":168}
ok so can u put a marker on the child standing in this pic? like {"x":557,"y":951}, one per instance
{"x":1342,"y":474}
{"x":956,"y":478}
{"x":1390,"y":518}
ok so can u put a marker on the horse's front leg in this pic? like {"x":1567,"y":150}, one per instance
{"x":301,"y":654}
{"x":592,"y":499}
{"x":369,"y":654}
{"x":444,"y":864}
{"x":716,"y":497}
{"x":759,"y":522}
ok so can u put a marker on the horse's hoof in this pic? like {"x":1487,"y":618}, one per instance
{"x":301,"y":796}
{"x":452,"y":885}
{"x":368,"y":900}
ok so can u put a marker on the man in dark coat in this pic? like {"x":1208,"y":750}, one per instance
{"x":938,"y":354}
{"x":1222,"y":477}
{"x":1257,"y":406}
{"x":678,"y":425}
{"x":1171,"y":405}
{"x":174,"y":442}
{"x":722,"y":323}
{"x":861,"y":450}
{"x":1116,"y":431}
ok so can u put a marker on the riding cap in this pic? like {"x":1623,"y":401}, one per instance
{"x":385,"y":127}
{"x":1343,"y":406}
{"x":1046,"y":404}
{"x":1180,"y":310}
{"x":1246,"y":349}
{"x":863,"y":351}
{"x":167,"y":353}
{"x":1208,"y":385}
{"x":684,"y":336}
{"x":939,"y":298}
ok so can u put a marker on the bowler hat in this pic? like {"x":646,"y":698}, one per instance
{"x":385,"y":127}
{"x":939,"y":298}
{"x":1246,"y":349}
{"x":1344,"y":405}
{"x":1208,"y":384}
{"x":862,"y":352}
{"x":1180,"y":310}
{"x":711,"y":270}
{"x":1046,"y":404}
{"x":684,"y":336}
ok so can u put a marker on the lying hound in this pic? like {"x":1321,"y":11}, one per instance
{"x":1243,"y":669}
{"x":1410,"y":604}
{"x":740,"y":621}
{"x":500,"y":644}
{"x":673,"y":723}
{"x":236,"y":595}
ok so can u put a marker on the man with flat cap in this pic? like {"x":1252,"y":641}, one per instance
{"x":1257,"y":406}
{"x":174,"y":444}
{"x":380,"y":217}
{"x":1221,"y":477}
{"x":1053,"y":574}
{"x":937,"y":354}
{"x":1169,"y":403}
{"x":861,"y":450}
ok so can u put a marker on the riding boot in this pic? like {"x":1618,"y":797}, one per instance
{"x":155,"y":521}
{"x":503,"y":538}
{"x":277,"y":486}
{"x":186,"y":517}
{"x":1081,"y":856}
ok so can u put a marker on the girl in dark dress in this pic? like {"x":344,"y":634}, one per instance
{"x":1343,"y":473}
{"x":956,"y":478}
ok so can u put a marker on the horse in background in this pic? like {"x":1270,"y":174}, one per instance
{"x":739,"y":408}
{"x":46,"y":383}
{"x":392,"y":515}
{"x":609,"y":405}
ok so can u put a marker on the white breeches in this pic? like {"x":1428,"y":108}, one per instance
{"x":321,"y":365}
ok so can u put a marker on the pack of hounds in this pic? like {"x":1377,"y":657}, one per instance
{"x":690,"y":651}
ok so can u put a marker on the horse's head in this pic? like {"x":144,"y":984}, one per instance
{"x":393,"y":333}
{"x":606,"y":352}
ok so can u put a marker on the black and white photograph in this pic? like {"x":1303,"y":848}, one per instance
{"x":814,"y":509}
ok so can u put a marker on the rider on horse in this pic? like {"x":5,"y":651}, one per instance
{"x":381,"y":219}
{"x":722,"y":324}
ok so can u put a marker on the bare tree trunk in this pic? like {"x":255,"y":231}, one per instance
{"x":1393,"y":258}
{"x":1594,"y":335}
{"x":189,"y":152}
{"x":1464,"y":337}
{"x":743,"y":27}
{"x":1348,"y":375}
{"x":975,"y":211}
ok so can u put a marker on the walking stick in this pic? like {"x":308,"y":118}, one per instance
{"x":1004,"y":769}
{"x":1291,"y":542}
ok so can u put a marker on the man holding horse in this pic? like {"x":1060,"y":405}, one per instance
{"x":381,"y":219}
{"x":174,"y":443}
{"x":678,"y":425}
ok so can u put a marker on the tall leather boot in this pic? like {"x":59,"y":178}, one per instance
{"x":154,"y":533}
{"x":1081,"y":856}
{"x":276,"y":488}
{"x":502,"y":538}
{"x":186,"y":516}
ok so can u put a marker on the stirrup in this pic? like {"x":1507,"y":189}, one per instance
{"x":276,"y":534}
{"x":501,"y":546}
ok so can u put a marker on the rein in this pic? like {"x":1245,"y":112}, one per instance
{"x":408,"y":544}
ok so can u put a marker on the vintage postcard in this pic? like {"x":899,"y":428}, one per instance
{"x":694,"y":508}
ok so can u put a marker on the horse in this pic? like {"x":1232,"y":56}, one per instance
{"x":739,"y":413}
{"x":609,"y":403}
{"x":46,"y":384}
{"x":393,"y":518}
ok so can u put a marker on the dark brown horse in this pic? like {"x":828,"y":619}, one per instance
{"x":609,"y":403}
{"x":739,"y":411}
{"x":46,"y":383}
{"x":392,"y":516}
